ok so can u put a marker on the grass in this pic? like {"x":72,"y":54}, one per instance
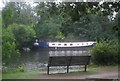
{"x":92,"y":66}
{"x":20,"y":75}
{"x":0,"y":74}
{"x":31,"y":75}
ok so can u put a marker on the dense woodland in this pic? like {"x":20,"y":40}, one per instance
{"x":23,"y":23}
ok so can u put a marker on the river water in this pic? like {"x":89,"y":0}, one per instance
{"x":38,"y":59}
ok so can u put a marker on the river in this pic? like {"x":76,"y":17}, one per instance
{"x":37,"y":59}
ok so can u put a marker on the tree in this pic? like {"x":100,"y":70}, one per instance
{"x":93,"y":27}
{"x":0,"y":39}
{"x":23,"y":34}
{"x":50,"y":28}
{"x":7,"y":14}
{"x":18,"y":12}
{"x":9,"y":50}
{"x":116,"y":28}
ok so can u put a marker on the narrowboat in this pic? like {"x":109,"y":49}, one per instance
{"x":57,"y":45}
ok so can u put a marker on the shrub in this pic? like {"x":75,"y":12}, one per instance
{"x":10,"y":53}
{"x":20,"y":69}
{"x":14,"y":70}
{"x":105,"y":53}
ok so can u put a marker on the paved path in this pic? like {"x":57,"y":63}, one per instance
{"x":102,"y":73}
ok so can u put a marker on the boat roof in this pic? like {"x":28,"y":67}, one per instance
{"x":74,"y":42}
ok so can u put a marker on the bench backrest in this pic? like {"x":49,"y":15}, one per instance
{"x":68,"y":60}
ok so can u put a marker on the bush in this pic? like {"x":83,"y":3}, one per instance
{"x":105,"y":53}
{"x":23,"y":34}
{"x":20,"y":69}
{"x":14,"y":70}
{"x":10,"y":53}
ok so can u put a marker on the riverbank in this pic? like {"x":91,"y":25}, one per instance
{"x":103,"y":72}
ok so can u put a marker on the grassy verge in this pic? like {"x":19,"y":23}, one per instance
{"x":20,"y":75}
{"x":96,"y":66}
{"x":0,"y":74}
{"x":92,"y":69}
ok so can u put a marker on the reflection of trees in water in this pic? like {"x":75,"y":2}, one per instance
{"x":34,"y":60}
{"x":38,"y":59}
{"x":69,"y":53}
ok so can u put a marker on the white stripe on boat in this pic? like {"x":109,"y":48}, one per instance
{"x":70,"y":44}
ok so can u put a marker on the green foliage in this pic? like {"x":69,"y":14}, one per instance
{"x":105,"y":53}
{"x":7,"y":14}
{"x":22,"y":33}
{"x":92,"y":27}
{"x":70,"y":37}
{"x":0,"y":40}
{"x":7,"y":35}
{"x":9,"y":51}
{"x":83,"y":21}
{"x":18,"y":12}
{"x":20,"y":69}
{"x":16,"y":70}
{"x":60,"y":36}
{"x":50,"y":28}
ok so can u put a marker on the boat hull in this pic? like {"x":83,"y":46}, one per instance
{"x":69,"y":48}
{"x":65,"y":45}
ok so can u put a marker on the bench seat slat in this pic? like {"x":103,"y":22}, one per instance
{"x":58,"y":61}
{"x":82,"y":60}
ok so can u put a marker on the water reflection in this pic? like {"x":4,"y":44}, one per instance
{"x":38,"y":59}
{"x":69,"y":53}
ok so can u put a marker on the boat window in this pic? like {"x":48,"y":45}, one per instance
{"x":71,"y":44}
{"x":65,"y":44}
{"x":59,"y":44}
{"x":77,"y":44}
{"x":53,"y":44}
{"x":82,"y":44}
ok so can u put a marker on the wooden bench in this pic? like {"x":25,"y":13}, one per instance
{"x":68,"y":61}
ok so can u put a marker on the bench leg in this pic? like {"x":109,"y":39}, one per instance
{"x":47,"y":70}
{"x":67,"y":69}
{"x":85,"y":67}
